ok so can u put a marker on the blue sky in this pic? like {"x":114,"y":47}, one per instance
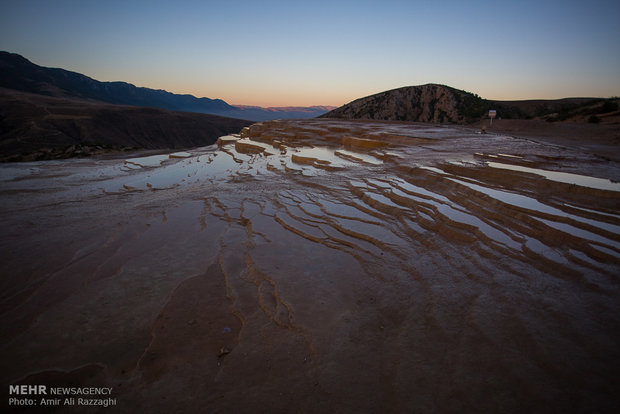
{"x":277,"y":53}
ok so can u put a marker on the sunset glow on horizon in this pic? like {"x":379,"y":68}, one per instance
{"x":282,"y":53}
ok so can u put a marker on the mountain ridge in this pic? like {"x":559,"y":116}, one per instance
{"x":18,"y":73}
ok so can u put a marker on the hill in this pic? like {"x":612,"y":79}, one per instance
{"x":439,"y":103}
{"x":425,"y":103}
{"x":35,"y":127}
{"x":18,"y":73}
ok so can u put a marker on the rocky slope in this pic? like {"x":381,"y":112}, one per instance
{"x":425,"y":103}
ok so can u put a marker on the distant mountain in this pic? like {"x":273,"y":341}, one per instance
{"x":18,"y":73}
{"x":289,"y":112}
{"x":439,"y":103}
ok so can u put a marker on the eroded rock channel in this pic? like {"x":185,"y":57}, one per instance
{"x":319,"y":266}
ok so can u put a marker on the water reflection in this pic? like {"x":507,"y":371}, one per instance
{"x":562,"y":177}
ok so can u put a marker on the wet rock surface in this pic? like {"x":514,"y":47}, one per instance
{"x":319,"y":266}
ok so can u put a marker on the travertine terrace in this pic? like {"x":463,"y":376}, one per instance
{"x":319,"y":266}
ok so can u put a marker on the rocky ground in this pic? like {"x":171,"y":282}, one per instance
{"x":601,"y":139}
{"x":320,"y":266}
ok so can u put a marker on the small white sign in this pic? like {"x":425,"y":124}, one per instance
{"x":492,"y":113}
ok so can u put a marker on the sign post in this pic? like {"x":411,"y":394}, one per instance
{"x":492,"y":114}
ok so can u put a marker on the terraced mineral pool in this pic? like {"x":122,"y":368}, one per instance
{"x":331,"y":265}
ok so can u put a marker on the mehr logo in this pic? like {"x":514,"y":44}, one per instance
{"x":27,"y":389}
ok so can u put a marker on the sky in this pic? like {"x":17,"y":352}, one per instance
{"x":303,"y":53}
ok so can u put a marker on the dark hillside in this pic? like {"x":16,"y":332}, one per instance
{"x":39,"y":127}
